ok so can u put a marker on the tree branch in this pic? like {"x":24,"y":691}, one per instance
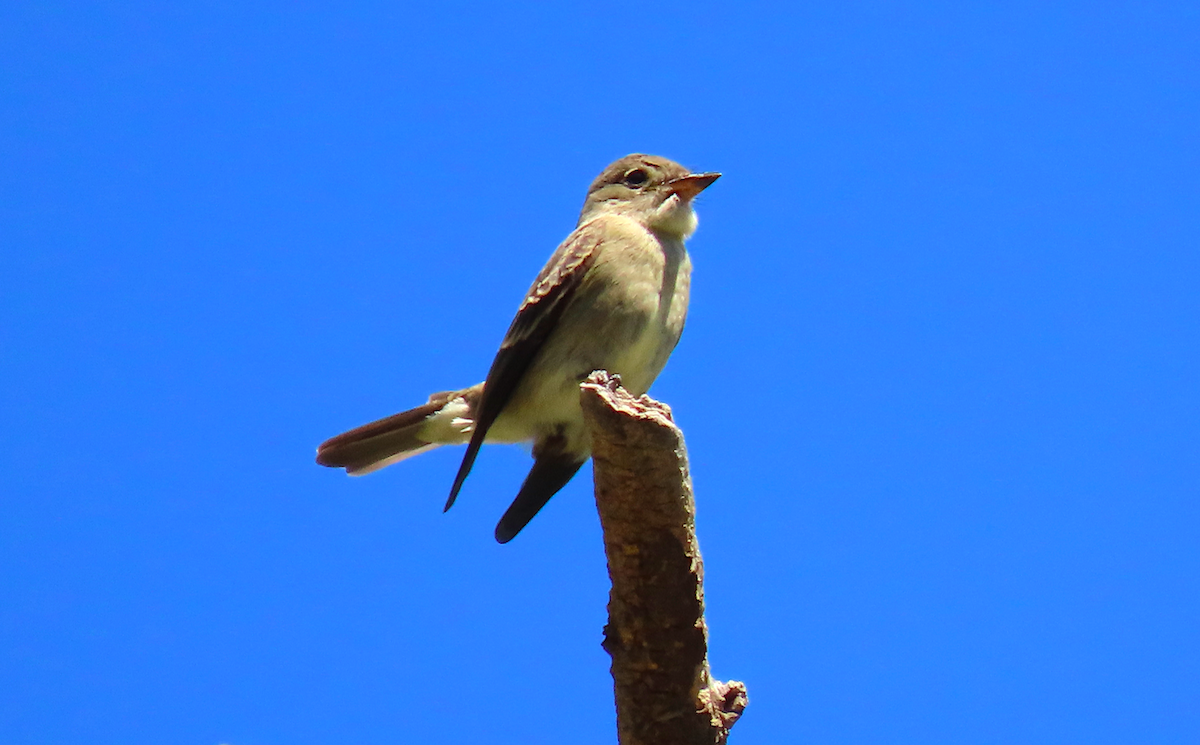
{"x":656,"y":633}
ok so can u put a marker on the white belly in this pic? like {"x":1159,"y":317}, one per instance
{"x":625,"y":318}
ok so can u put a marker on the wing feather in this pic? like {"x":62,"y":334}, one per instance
{"x":536,"y":319}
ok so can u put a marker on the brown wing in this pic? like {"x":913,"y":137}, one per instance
{"x":536,"y":319}
{"x":549,"y":474}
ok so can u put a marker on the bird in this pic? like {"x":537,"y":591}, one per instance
{"x":613,"y":296}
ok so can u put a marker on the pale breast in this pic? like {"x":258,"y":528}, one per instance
{"x":625,"y":317}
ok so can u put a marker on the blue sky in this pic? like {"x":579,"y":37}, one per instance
{"x":939,"y":379}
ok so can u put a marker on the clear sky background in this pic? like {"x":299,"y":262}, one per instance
{"x":939,"y":382}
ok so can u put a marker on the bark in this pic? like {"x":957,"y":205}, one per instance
{"x":656,"y":632}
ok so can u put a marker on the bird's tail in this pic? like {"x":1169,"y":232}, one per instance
{"x":447,"y":418}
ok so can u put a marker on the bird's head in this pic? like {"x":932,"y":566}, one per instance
{"x":655,"y":191}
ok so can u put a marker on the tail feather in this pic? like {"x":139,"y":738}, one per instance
{"x":390,"y":460}
{"x":383,"y":442}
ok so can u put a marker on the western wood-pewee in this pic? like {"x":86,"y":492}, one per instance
{"x":612,"y":297}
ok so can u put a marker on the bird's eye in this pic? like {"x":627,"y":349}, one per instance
{"x":636,"y":178}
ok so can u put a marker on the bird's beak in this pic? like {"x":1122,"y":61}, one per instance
{"x":692,"y":184}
